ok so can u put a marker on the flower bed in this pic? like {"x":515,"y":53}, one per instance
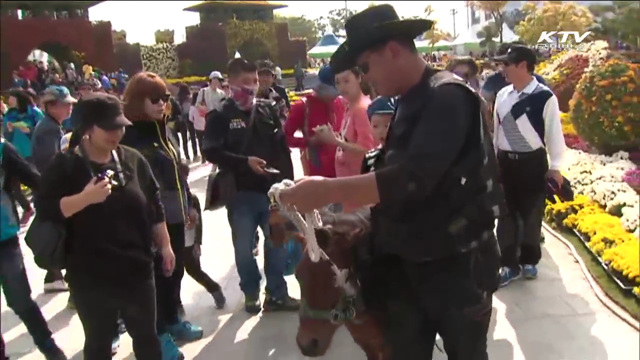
{"x":564,"y":70}
{"x":604,"y":213}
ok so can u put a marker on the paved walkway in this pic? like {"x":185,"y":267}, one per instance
{"x":556,"y":317}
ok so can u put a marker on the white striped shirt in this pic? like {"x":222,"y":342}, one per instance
{"x":505,"y":132}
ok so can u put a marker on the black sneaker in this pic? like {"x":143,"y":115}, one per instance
{"x":286,"y":304}
{"x":252,"y":304}
{"x":219,"y":299}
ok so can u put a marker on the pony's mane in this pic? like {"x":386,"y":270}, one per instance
{"x":346,"y":223}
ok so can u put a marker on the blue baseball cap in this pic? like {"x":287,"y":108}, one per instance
{"x":58,"y":93}
{"x":325,"y":84}
{"x":382,"y":105}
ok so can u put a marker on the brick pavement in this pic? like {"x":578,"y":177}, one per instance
{"x":556,"y":317}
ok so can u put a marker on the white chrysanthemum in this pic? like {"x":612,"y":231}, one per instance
{"x":601,"y":178}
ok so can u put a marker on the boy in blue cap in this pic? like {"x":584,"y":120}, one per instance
{"x":380,"y":113}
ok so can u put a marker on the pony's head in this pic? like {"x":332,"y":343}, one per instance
{"x":327,"y":298}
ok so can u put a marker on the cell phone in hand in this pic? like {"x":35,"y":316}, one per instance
{"x":271,"y":170}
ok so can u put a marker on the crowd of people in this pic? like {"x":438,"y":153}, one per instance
{"x":106,"y":165}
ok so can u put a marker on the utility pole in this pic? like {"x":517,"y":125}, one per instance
{"x":454,"y":12}
{"x":346,"y":12}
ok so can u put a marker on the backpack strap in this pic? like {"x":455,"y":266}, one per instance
{"x":305,"y":123}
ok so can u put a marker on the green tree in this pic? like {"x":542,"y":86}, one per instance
{"x":164,"y":36}
{"x":301,"y":28}
{"x":619,"y":21}
{"x":514,"y":17}
{"x":553,"y":16}
{"x":487,"y":34}
{"x":334,"y":21}
{"x":495,"y":8}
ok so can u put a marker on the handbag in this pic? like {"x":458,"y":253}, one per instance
{"x":221,"y":184}
{"x":47,"y":241}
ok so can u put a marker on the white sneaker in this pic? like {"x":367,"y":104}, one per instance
{"x":56,"y":286}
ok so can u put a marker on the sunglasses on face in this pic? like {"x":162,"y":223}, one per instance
{"x":364,"y":67}
{"x":155,"y":100}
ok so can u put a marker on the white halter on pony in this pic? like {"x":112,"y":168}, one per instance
{"x":307,"y":225}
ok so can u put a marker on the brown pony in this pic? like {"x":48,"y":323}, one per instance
{"x":329,"y":300}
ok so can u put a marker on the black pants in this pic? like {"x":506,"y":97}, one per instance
{"x":193,"y":268}
{"x":98,"y":309}
{"x":192,"y":135}
{"x":19,"y":197}
{"x":450,"y":297}
{"x":523,"y":177}
{"x":200,"y":137}
{"x":53,"y":275}
{"x":168,"y":287}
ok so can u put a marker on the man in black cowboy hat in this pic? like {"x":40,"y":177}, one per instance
{"x":434,"y":260}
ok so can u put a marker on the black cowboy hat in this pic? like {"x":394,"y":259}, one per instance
{"x":371,"y":27}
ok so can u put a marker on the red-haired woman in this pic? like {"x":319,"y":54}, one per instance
{"x":145,"y":98}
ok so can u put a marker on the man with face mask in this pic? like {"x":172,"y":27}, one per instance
{"x":322,"y":108}
{"x":245,"y":139}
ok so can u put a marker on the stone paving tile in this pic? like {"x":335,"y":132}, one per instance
{"x":556,"y":317}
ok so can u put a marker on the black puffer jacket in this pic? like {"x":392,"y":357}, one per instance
{"x":150,"y":139}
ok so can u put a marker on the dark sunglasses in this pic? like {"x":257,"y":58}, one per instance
{"x":164,"y":98}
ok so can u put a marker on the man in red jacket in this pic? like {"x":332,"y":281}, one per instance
{"x":322,"y":107}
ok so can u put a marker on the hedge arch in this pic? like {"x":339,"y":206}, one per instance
{"x":241,"y":32}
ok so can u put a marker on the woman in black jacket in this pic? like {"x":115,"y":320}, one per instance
{"x":110,"y":202}
{"x":146,"y":105}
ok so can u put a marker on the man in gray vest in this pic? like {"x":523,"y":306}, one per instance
{"x":434,"y":259}
{"x":527,"y":128}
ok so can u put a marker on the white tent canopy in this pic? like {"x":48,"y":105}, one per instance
{"x":426,"y":46}
{"x":327,"y":45}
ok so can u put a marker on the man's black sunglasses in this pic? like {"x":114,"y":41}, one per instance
{"x":364,"y":68}
{"x":164,"y":98}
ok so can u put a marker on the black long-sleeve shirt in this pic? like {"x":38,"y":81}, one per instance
{"x":109,"y":243}
{"x":435,"y":139}
{"x":230,"y":137}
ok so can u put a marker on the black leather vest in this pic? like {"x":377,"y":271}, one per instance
{"x":460,"y":212}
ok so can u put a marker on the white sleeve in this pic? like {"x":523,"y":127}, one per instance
{"x":553,"y":136}
{"x":200,"y":97}
{"x":496,"y":125}
{"x":193,"y":111}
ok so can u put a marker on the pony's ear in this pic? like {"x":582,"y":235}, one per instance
{"x":352,"y":237}
{"x":323,"y":235}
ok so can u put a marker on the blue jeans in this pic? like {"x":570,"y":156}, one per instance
{"x":246,"y":212}
{"x":17,"y":292}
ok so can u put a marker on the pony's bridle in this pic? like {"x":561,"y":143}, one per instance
{"x":350,"y":302}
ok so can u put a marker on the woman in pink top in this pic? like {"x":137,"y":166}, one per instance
{"x":355,"y":138}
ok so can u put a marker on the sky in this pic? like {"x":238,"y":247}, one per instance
{"x":140,"y":19}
